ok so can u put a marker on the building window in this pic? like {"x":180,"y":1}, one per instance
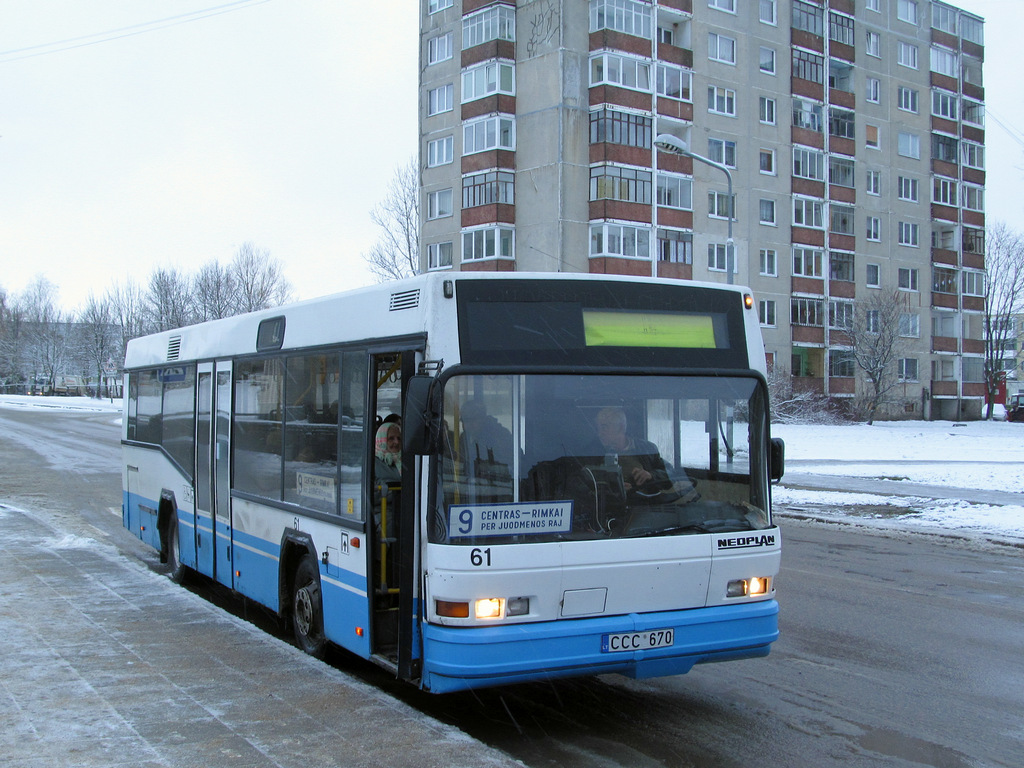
{"x":944,"y":19}
{"x":807,"y":213}
{"x":873,"y":90}
{"x":874,"y":182}
{"x":675,"y":246}
{"x":767,"y":12}
{"x":840,"y":172}
{"x":612,"y":182}
{"x":433,"y":6}
{"x":809,"y":18}
{"x":722,"y":151}
{"x":439,"y":48}
{"x":909,"y":145}
{"x":974,"y":112}
{"x":808,"y":164}
{"x":767,"y":161}
{"x":675,"y":192}
{"x":906,"y":369}
{"x":840,"y":28}
{"x":440,"y":100}
{"x":874,"y":45}
{"x":440,"y":151}
{"x":906,"y":10}
{"x":495,"y":23}
{"x":766,"y":312}
{"x":487,"y":79}
{"x":666,"y":36}
{"x":907,"y":279}
{"x":974,"y":283}
{"x":906,"y":55}
{"x":719,"y":207}
{"x":493,"y":132}
{"x":973,"y":197}
{"x":488,"y":188}
{"x":841,"y":266}
{"x":439,"y":204}
{"x":974,"y":241}
{"x":766,"y":109}
{"x":769,"y":262}
{"x":439,"y":255}
{"x":841,"y":219}
{"x":972,"y":155}
{"x":840,"y":75}
{"x":766,"y":60}
{"x":908,"y":234}
{"x":723,"y":5}
{"x":625,"y":128}
{"x":909,"y":325}
{"x":871,"y":140}
{"x":841,"y":362}
{"x":767,"y":211}
{"x":907,"y":99}
{"x":944,"y":191}
{"x":873,"y":278}
{"x":807,"y":312}
{"x":674,"y":82}
{"x":945,"y":148}
{"x":721,"y":101}
{"x":807,"y":262}
{"x":840,"y":314}
{"x":488,"y":243}
{"x":944,"y":62}
{"x":874,"y":229}
{"x":841,"y":123}
{"x":718,"y":258}
{"x":809,"y":66}
{"x":721,"y":48}
{"x":944,"y":105}
{"x":908,"y":189}
{"x":972,"y":30}
{"x":629,"y":16}
{"x":624,"y":71}
{"x":608,"y":239}
{"x":807,"y":114}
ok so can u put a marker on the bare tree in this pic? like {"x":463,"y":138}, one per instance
{"x":876,"y":343}
{"x":128,"y":314}
{"x":169,"y":300}
{"x":45,"y":347}
{"x":96,"y":332}
{"x":396,"y":253}
{"x":215,"y":292}
{"x":258,"y":279}
{"x":1004,"y":298}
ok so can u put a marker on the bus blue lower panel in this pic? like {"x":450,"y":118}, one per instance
{"x":457,"y":658}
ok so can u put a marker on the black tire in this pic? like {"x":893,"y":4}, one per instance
{"x":176,"y":572}
{"x":307,"y":608}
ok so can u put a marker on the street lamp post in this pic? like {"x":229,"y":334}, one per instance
{"x":666,"y":142}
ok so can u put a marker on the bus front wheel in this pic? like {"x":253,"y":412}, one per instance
{"x":176,"y":571}
{"x":307,"y":608}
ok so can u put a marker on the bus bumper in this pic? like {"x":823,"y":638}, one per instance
{"x":458,"y":658}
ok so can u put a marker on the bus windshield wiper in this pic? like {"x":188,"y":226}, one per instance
{"x":671,"y":529}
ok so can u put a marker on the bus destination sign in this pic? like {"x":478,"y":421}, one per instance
{"x":512,"y":519}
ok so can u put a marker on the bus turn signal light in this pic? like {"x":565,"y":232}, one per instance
{"x":759,"y":585}
{"x":451,"y":609}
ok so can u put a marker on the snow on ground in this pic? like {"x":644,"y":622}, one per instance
{"x":985,"y":455}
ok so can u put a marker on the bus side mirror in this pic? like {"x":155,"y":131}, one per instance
{"x":777,"y":458}
{"x":419,"y":415}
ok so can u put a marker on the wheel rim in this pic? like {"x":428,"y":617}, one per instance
{"x":175,"y":547}
{"x":304,"y":611}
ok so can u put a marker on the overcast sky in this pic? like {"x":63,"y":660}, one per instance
{"x":136,"y":134}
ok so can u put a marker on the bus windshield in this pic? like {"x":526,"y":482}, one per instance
{"x":539,"y":457}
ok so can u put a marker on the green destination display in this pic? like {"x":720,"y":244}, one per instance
{"x":612,"y":328}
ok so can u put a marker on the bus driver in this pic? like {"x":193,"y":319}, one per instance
{"x":643,"y":470}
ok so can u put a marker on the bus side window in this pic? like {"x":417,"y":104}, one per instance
{"x":351,"y":441}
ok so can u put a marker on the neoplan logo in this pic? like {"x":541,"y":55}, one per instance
{"x":747,"y":542}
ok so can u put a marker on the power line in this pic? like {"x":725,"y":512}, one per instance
{"x":1013,"y":133}
{"x":82,"y":41}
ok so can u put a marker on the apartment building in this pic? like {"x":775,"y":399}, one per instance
{"x":852,"y":132}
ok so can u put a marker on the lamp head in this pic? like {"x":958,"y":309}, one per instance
{"x":666,"y":142}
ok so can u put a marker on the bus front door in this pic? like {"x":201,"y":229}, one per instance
{"x":204,"y":471}
{"x":222,"y":543}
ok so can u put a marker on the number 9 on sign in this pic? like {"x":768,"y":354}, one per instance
{"x":465,"y":521}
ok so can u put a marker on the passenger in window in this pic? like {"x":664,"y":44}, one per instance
{"x":387,"y":450}
{"x":643,"y":469}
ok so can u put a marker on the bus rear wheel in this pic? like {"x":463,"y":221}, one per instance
{"x":307,"y":608}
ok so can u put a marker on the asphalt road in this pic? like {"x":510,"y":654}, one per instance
{"x":896,"y":650}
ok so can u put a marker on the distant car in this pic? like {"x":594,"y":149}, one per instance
{"x":1015,"y":407}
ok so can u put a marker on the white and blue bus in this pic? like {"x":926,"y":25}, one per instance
{"x":582,"y":485}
